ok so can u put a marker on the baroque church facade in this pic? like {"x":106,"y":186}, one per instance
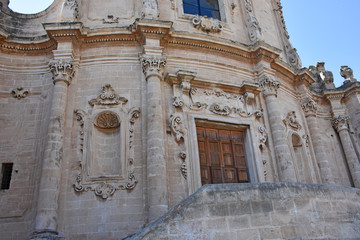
{"x":177,"y":119}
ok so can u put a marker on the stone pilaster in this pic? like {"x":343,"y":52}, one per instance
{"x":341,"y":124}
{"x":46,"y":218}
{"x":282,"y":151}
{"x":310,"y":107}
{"x":153,"y":68}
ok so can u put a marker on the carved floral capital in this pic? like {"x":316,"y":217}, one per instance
{"x":153,"y":66}
{"x":269,"y":85}
{"x":62,"y":70}
{"x":340,"y":122}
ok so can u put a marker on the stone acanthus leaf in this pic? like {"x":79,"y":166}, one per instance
{"x":269,"y":85}
{"x":263,"y":136}
{"x":291,"y":121}
{"x":207,"y":24}
{"x":183,"y":167}
{"x":252,"y":23}
{"x":175,"y":125}
{"x":108,"y":96}
{"x":19,"y":92}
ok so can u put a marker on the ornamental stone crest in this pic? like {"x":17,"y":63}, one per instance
{"x":19,"y":92}
{"x":153,"y":65}
{"x":62,"y":70}
{"x":220,"y":109}
{"x":183,"y":167}
{"x":340,"y":122}
{"x":269,"y":85}
{"x":108,"y":96}
{"x":207,"y":24}
{"x":263,"y":136}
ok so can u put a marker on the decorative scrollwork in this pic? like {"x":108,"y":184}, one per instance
{"x":104,"y":190}
{"x":263,"y":136}
{"x":19,"y":92}
{"x":80,"y":117}
{"x":291,"y":121}
{"x":178,"y":102}
{"x":207,"y":24}
{"x":197,"y":106}
{"x":134,"y":114}
{"x":175,"y":122}
{"x":131,"y":177}
{"x":220,"y":109}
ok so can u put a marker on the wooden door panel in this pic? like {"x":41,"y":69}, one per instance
{"x":222,"y":156}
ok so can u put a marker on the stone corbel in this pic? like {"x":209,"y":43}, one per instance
{"x":185,"y":78}
{"x":252,"y":23}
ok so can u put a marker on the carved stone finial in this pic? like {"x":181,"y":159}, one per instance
{"x":269,"y":85}
{"x":62,"y":70}
{"x":207,"y":24}
{"x":309,"y":106}
{"x":108,"y":96}
{"x":340,"y":122}
{"x":347,"y":73}
{"x":70,"y":12}
{"x":150,"y":9}
{"x":153,"y":66}
{"x":19,"y":92}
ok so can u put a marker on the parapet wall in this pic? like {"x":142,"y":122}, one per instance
{"x":261,"y":211}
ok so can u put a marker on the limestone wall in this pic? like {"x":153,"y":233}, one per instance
{"x":261,"y":211}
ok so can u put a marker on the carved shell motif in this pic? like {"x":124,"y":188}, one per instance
{"x":107,"y":119}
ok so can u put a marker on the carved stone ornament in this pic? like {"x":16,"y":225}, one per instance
{"x":108,"y":96}
{"x":307,"y":140}
{"x":340,"y":123}
{"x":309,"y":105}
{"x":105,"y":188}
{"x":178,"y":102}
{"x":197,"y":106}
{"x":62,"y":70}
{"x":70,"y":11}
{"x":324,"y":78}
{"x":19,"y":92}
{"x":207,"y":24}
{"x":291,"y":121}
{"x":183,"y":167}
{"x":252,"y":23}
{"x":269,"y":85}
{"x":153,"y":65}
{"x":347,"y":74}
{"x":220,"y":109}
{"x":107,"y":120}
{"x":175,"y":125}
{"x":263,"y":136}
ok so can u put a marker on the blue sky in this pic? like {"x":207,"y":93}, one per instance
{"x":321,"y":30}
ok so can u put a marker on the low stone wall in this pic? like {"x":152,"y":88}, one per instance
{"x":261,"y":211}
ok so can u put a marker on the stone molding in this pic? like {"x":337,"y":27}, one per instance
{"x":20,"y":92}
{"x":206,"y":24}
{"x":62,"y":70}
{"x":153,"y":66}
{"x":340,"y":122}
{"x":269,"y":85}
{"x":309,"y":106}
{"x":252,"y":24}
{"x":108,"y":96}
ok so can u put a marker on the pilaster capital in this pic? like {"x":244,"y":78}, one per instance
{"x":153,"y":66}
{"x":62,"y":70}
{"x":309,"y":106}
{"x":340,"y":122}
{"x":269,"y":85}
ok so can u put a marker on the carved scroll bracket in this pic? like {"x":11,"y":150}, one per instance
{"x":175,"y":125}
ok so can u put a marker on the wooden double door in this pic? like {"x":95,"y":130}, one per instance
{"x":222,"y":155}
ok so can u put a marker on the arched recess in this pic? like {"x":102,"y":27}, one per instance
{"x":300,"y":158}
